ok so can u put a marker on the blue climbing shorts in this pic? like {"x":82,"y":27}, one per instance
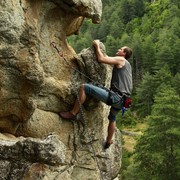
{"x":102,"y":94}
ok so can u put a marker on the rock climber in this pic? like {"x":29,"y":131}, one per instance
{"x":121,"y":86}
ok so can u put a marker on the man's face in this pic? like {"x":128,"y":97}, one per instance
{"x":121,"y":52}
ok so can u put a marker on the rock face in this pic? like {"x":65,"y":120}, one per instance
{"x":36,"y":84}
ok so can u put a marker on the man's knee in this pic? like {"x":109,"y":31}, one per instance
{"x":82,"y":88}
{"x":85,"y":88}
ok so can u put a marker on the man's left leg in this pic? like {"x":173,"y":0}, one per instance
{"x":112,"y":126}
{"x":111,"y":130}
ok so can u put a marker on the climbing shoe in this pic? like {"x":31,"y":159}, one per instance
{"x":67,"y":115}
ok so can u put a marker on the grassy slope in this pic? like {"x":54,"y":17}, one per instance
{"x":129,"y":143}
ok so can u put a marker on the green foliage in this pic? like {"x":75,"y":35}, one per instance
{"x":167,"y":50}
{"x":125,"y":162}
{"x":148,"y":55}
{"x":128,"y":120}
{"x":157,"y":151}
{"x":144,"y":95}
{"x":149,"y":87}
{"x":176,"y":84}
{"x":111,"y":45}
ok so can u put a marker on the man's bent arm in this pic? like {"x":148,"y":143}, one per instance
{"x":117,"y":60}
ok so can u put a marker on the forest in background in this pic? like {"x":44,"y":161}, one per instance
{"x":152,"y":29}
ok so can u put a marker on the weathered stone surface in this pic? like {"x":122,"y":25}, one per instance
{"x":85,"y":8}
{"x":20,"y":154}
{"x":49,"y":151}
{"x":36,"y":84}
{"x":90,"y":66}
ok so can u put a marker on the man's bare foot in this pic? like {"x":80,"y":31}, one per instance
{"x":67,"y":115}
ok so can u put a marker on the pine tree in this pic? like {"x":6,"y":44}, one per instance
{"x":149,"y":86}
{"x":144,"y":95}
{"x":158,"y":153}
{"x":176,"y":83}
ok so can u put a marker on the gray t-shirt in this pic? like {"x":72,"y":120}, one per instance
{"x":121,"y":81}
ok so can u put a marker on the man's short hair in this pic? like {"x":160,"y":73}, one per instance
{"x":128,"y":52}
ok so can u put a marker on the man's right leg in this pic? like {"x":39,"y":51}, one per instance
{"x":80,"y":100}
{"x":86,"y":89}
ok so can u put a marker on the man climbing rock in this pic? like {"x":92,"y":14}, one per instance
{"x":121,"y":88}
